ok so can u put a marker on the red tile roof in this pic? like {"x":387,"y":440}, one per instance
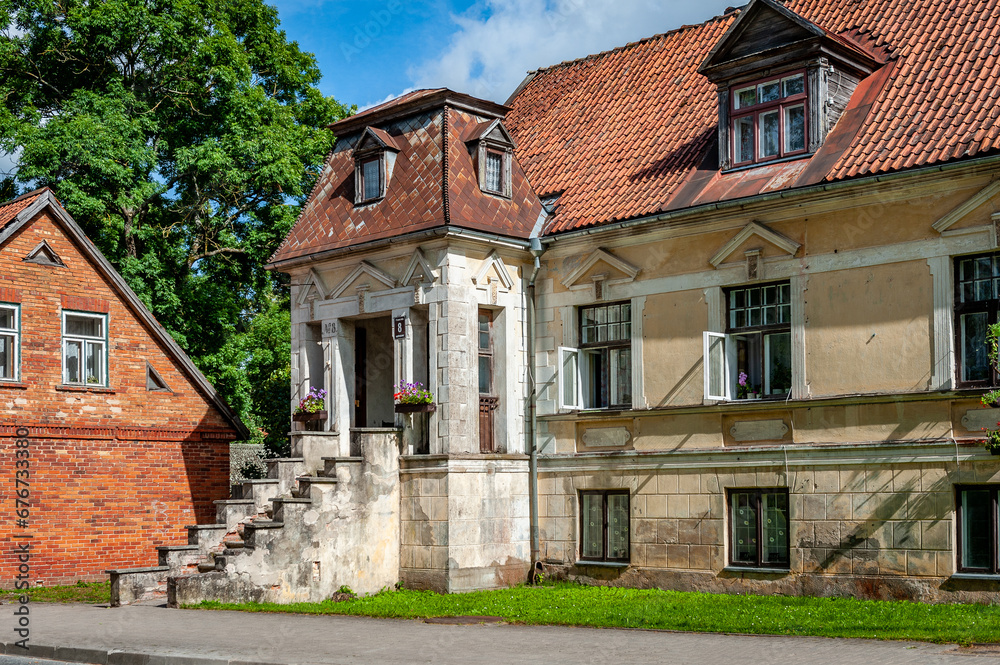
{"x":12,"y":208}
{"x":424,"y":191}
{"x":630,"y":132}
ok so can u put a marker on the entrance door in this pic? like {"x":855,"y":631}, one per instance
{"x":360,"y":377}
{"x":488,"y":401}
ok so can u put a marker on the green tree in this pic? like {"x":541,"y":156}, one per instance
{"x":183,"y":135}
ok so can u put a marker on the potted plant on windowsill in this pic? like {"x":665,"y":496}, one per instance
{"x":414,"y":398}
{"x":991,"y":400}
{"x":310,"y":408}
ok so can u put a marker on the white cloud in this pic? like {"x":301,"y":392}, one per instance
{"x":498,"y":41}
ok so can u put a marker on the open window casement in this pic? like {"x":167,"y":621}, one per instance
{"x":720,"y":366}
{"x":570,"y":384}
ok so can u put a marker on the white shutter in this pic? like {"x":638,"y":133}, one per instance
{"x":570,"y":391}
{"x":718,"y":356}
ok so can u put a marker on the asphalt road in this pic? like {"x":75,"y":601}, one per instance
{"x":149,"y":635}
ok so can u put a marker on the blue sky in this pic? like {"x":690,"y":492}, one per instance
{"x":373,"y":50}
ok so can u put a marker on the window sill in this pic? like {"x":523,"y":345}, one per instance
{"x":85,"y":389}
{"x":755,"y":569}
{"x":770,"y":162}
{"x":14,"y":385}
{"x":603,"y":564}
{"x":989,"y":577}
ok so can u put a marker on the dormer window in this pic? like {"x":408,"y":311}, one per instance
{"x":492,"y":149}
{"x":494,"y":181}
{"x":769,"y":119}
{"x":374,"y":158}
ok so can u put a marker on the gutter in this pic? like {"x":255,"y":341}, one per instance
{"x":536,"y":250}
{"x":771,"y":196}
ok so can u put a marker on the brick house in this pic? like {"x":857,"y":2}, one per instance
{"x":127,"y":440}
{"x":706,"y":311}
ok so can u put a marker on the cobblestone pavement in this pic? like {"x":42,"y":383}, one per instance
{"x":149,"y":635}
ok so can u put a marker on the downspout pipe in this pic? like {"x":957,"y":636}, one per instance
{"x":536,"y":250}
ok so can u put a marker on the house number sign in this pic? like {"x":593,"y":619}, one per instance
{"x":399,"y":327}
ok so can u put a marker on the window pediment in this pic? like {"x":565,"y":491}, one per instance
{"x":374,"y":159}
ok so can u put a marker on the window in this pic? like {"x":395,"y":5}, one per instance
{"x":370,"y":181}
{"x":978,"y":520}
{"x":598,"y":375}
{"x":977,"y":282}
{"x":758,"y":535}
{"x":494,"y":169}
{"x":769,"y":119}
{"x":604,"y":521}
{"x":84,"y":349}
{"x":753,"y":359}
{"x":10,"y":341}
{"x":488,"y":401}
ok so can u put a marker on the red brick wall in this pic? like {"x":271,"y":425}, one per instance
{"x":116,"y":471}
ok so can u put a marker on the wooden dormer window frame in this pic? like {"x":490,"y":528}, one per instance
{"x":367,"y":191}
{"x":769,"y":118}
{"x":495,"y":168}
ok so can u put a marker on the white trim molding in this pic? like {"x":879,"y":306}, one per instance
{"x":943,"y":342}
{"x":783,"y":243}
{"x":976,"y":200}
{"x":598,"y":255}
{"x":493,"y":261}
{"x":364,"y":268}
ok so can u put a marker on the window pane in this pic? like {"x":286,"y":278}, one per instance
{"x":975,"y":356}
{"x":8,"y":318}
{"x":769,"y":92}
{"x":746,"y":97}
{"x":744,"y":522}
{"x":494,"y":169}
{"x":769,"y":134}
{"x":485,"y":376}
{"x":371,"y":177}
{"x":795,"y":85}
{"x":618,"y":526}
{"x":84,"y":326}
{"x":621,"y":376}
{"x":795,"y":128}
{"x":977,"y":506}
{"x":778,"y":357}
{"x":94,"y":362}
{"x":484,"y":331}
{"x":72,"y":359}
{"x":592,"y":545}
{"x":744,"y":140}
{"x":7,"y":343}
{"x":774,"y":506}
{"x":568,"y":373}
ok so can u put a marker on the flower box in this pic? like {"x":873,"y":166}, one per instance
{"x":305,"y":417}
{"x":416,"y":408}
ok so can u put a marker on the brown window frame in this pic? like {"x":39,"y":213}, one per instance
{"x":755,"y":111}
{"x":488,"y":352}
{"x":990,"y":306}
{"x":491,"y":147}
{"x":994,"y":525}
{"x":379,"y":158}
{"x":758,"y":492}
{"x":604,"y":494}
{"x":756,"y":334}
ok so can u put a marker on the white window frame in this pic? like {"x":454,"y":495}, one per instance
{"x":14,"y":332}
{"x":569,"y":355}
{"x":727,"y":369}
{"x":85,"y":341}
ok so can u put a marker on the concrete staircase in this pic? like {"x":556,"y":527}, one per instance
{"x":298,"y":535}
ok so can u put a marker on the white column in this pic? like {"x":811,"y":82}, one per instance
{"x":943,"y":358}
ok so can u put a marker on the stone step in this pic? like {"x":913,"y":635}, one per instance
{"x":234,"y":545}
{"x":232,"y":511}
{"x":206,"y":536}
{"x":260,"y":532}
{"x":179,"y":558}
{"x":304,"y":490}
{"x":283,"y":504}
{"x":261,"y":492}
{"x":330,"y":464}
{"x":286,"y":471}
{"x":131,"y":585}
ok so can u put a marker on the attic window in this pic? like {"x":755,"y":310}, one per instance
{"x":769,"y":119}
{"x":374,"y":159}
{"x":154,"y":382}
{"x":371,"y":179}
{"x":494,"y":170}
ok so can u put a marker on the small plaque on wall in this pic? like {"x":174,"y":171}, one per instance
{"x":977,"y":420}
{"x":606,"y":437}
{"x":399,"y":327}
{"x":758,"y":430}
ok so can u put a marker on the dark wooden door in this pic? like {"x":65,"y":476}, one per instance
{"x":360,"y":377}
{"x":487,"y":406}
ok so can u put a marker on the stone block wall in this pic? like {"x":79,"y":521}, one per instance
{"x":880,"y":529}
{"x":423,"y":526}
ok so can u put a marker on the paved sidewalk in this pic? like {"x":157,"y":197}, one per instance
{"x":149,"y":635}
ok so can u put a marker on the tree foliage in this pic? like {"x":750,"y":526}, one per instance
{"x":182,"y":135}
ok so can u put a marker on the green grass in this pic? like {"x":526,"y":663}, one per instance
{"x":610,"y":607}
{"x":81,"y":592}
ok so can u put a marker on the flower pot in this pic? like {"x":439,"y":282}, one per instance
{"x":994,"y":451}
{"x":309,"y":417}
{"x":416,"y":408}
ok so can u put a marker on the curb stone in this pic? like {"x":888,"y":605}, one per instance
{"x":114,"y":657}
